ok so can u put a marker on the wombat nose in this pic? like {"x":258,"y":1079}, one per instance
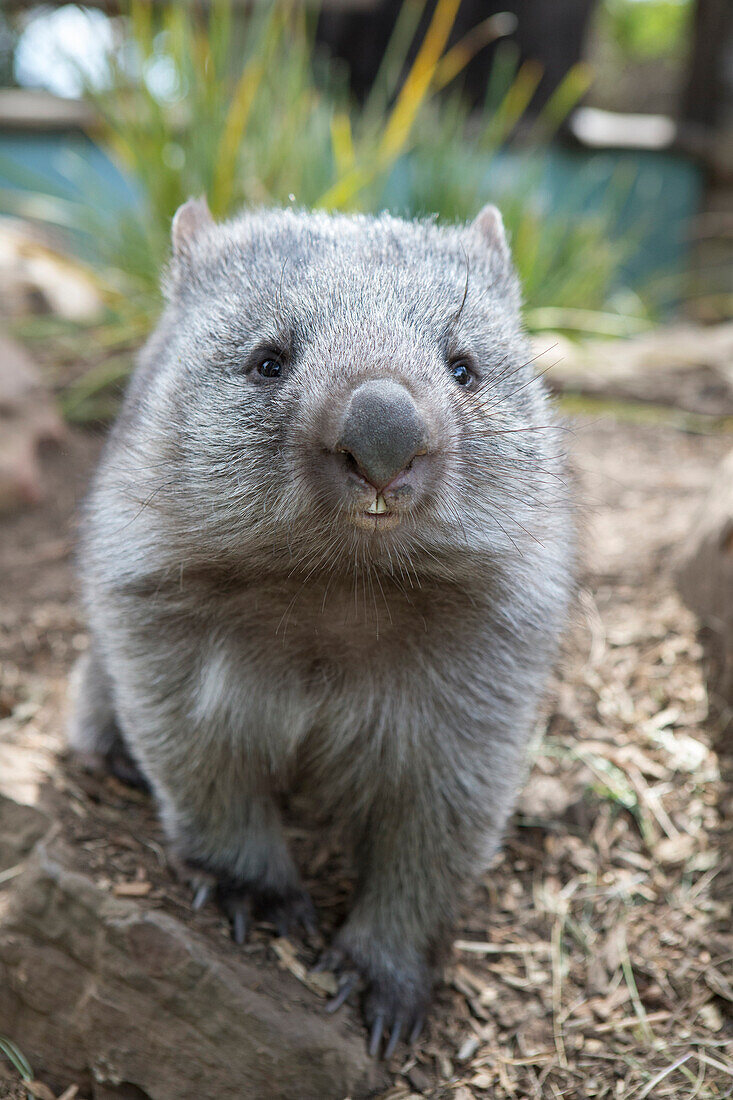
{"x":382,"y":431}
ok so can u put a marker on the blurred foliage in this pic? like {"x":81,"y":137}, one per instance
{"x":644,"y":30}
{"x":240,"y":106}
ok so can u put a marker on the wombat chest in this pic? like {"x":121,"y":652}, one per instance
{"x":315,"y":686}
{"x":347,"y":628}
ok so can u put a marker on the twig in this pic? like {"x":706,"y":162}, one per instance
{"x":630,"y":1021}
{"x":11,"y":872}
{"x":699,"y":1081}
{"x":557,"y":991}
{"x":480,"y":948}
{"x":664,"y":1073}
{"x":716,"y":1064}
{"x":634,"y":992}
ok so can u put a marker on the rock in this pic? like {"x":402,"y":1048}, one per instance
{"x":705,"y":582}
{"x":549,"y":797}
{"x":28,"y":419}
{"x":129,"y":1001}
{"x":21,"y":827}
{"x":671,"y":850}
{"x":36,"y":278}
{"x":688,"y":367}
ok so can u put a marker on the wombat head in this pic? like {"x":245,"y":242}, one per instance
{"x":340,"y":389}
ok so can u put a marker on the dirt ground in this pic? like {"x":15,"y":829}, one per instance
{"x":596,"y":958}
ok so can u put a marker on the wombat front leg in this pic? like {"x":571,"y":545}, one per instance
{"x":422,"y":843}
{"x":212,"y":787}
{"x":228,"y":836}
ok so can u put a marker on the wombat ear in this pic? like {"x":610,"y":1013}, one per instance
{"x":189,"y":222}
{"x":489,"y":225}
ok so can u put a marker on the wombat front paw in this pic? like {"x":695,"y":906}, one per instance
{"x":289,"y":909}
{"x":396,"y":996}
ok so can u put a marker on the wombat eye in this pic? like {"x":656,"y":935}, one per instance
{"x":270,"y":368}
{"x":462,"y":373}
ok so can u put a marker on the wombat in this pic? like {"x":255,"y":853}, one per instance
{"x":328,"y":552}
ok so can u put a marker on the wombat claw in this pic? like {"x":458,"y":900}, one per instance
{"x":201,"y":895}
{"x":380,"y":1018}
{"x":346,"y":986}
{"x":238,"y":900}
{"x":291,"y":912}
{"x":393,"y":1022}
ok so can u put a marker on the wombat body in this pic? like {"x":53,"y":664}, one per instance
{"x":327,"y":551}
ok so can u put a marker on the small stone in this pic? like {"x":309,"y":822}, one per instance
{"x":547,"y":797}
{"x":711,"y":1017}
{"x":675,"y":849}
{"x":467,"y":1049}
{"x":28,"y":419}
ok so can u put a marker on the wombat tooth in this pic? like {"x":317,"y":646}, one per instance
{"x":378,"y":506}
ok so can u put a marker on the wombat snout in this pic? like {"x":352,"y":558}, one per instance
{"x":382,"y":431}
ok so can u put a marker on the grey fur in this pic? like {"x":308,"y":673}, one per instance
{"x":255,"y":635}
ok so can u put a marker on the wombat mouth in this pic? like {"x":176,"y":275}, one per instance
{"x":378,"y":507}
{"x":379,"y":516}
{"x":376,"y":522}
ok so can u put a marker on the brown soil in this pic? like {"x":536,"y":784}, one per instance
{"x":600,"y":955}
